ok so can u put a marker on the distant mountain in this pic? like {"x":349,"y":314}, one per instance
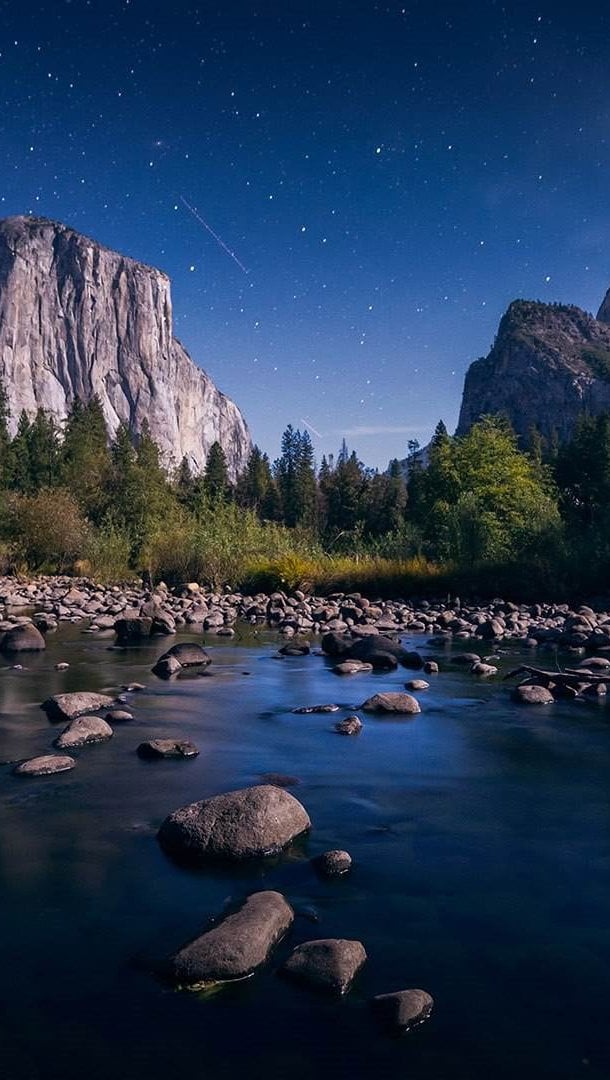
{"x":77,"y":319}
{"x":548,"y":364}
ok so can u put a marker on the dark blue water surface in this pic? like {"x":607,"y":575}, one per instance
{"x":480,"y":833}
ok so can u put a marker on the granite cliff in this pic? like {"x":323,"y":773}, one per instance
{"x":77,"y":319}
{"x":548,"y":364}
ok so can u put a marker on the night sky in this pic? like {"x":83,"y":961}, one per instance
{"x":390,"y":175}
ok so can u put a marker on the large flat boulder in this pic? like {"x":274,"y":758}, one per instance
{"x":45,"y":765}
{"x":68,"y":706}
{"x":237,"y":946}
{"x":248,"y":823}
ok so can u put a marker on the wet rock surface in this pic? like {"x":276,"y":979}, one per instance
{"x":393,"y":703}
{"x":235,"y":948}
{"x":249,"y":823}
{"x":403,"y":1009}
{"x":328,"y":964}
{"x":45,"y":765}
{"x":83,"y":731}
{"x":69,"y":706}
{"x":333,"y":863}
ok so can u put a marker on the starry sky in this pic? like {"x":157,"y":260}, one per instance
{"x":381,"y":179}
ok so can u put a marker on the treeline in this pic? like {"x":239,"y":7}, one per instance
{"x":474,"y":513}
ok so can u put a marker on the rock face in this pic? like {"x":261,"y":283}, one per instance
{"x":549,"y":363}
{"x":77,"y":320}
{"x":237,"y":946}
{"x":249,"y":823}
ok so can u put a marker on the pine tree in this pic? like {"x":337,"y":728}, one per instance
{"x":216,"y":477}
{"x":19,"y":457}
{"x":44,"y":453}
{"x":86,"y":459}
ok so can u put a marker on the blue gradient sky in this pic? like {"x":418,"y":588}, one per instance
{"x":391,"y":175}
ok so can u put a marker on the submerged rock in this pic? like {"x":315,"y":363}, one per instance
{"x":352,"y":725}
{"x":352,"y":667}
{"x":45,"y":765}
{"x":417,"y":684}
{"x":306,"y":710}
{"x":333,"y":863}
{"x":69,"y":706}
{"x":402,"y":1009}
{"x":82,"y":731}
{"x":235,"y":948}
{"x":328,"y":964}
{"x":167,"y":748}
{"x":248,"y":823}
{"x":392,"y":702}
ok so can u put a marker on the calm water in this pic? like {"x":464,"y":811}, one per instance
{"x":481,"y":839}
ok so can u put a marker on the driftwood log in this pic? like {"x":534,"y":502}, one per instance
{"x":576,"y":680}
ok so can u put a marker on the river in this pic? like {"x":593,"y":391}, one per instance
{"x":480,"y":833}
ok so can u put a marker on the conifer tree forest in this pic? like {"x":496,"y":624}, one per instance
{"x":477,"y":513}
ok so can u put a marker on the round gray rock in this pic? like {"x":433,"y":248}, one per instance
{"x":248,"y":823}
{"x":327,"y":964}
{"x":45,"y":765}
{"x":392,"y":702}
{"x":237,"y":946}
{"x":188,"y":654}
{"x":417,"y":684}
{"x":532,"y":695}
{"x":23,"y":638}
{"x":82,"y":731}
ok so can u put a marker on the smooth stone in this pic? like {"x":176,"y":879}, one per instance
{"x":118,"y":716}
{"x":62,"y":666}
{"x":23,"y":638}
{"x":431,"y":667}
{"x":352,"y":725}
{"x":235,"y":948}
{"x":188,"y":654}
{"x":45,"y":765}
{"x":392,"y":702}
{"x":167,"y":748}
{"x":82,"y":731}
{"x":131,"y":631}
{"x":532,"y":695}
{"x":417,"y":684}
{"x":333,"y":863}
{"x":249,"y":823}
{"x":327,"y":964}
{"x":133,"y":687}
{"x":466,"y":659}
{"x":352,"y":667}
{"x":402,"y":1009}
{"x":69,"y":706}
